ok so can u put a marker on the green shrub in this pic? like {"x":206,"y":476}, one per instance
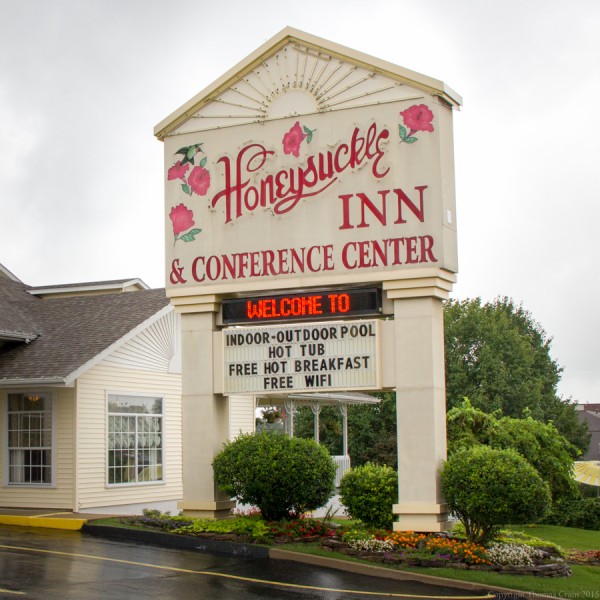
{"x":487,"y":488}
{"x":283,"y":476}
{"x":368,"y":493}
{"x":155,"y":518}
{"x":583,"y":513}
{"x":253,"y":528}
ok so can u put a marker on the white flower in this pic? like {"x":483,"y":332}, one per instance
{"x":372,"y":545}
{"x":513,"y":554}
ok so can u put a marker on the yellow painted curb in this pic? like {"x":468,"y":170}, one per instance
{"x":46,"y":522}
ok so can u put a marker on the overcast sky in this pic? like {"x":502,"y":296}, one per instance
{"x":83,"y":82}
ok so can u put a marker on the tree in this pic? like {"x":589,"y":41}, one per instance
{"x":487,"y":488}
{"x":467,"y":426}
{"x":283,"y":476}
{"x":498,"y":356}
{"x":372,"y":433}
{"x":539,"y":443}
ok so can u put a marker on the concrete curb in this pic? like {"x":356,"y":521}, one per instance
{"x":52,"y":521}
{"x":376,"y":571}
{"x":172,"y":540}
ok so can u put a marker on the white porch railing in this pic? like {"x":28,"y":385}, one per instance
{"x":342,"y":466}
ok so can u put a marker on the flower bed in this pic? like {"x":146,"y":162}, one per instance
{"x":439,"y":550}
{"x":584,"y":557}
{"x":509,"y":554}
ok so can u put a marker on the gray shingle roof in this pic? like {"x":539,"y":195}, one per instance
{"x":14,"y":319}
{"x":70,"y":331}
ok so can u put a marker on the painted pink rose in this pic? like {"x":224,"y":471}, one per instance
{"x":292,"y":140}
{"x":199,"y":180}
{"x":182,"y":217}
{"x":418,"y":118}
{"x":177,"y":171}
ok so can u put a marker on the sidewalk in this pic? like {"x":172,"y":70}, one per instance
{"x":65,"y":519}
{"x":47,"y":517}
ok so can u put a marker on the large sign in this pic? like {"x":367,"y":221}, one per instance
{"x":310,"y":166}
{"x":337,"y":197}
{"x":301,"y":357}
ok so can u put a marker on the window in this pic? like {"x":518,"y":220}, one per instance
{"x":29,"y":439}
{"x":135,"y":439}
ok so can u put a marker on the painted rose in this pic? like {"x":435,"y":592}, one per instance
{"x":418,"y":118}
{"x":177,"y":171}
{"x":292,"y":140}
{"x":199,"y":180}
{"x":182,"y":218}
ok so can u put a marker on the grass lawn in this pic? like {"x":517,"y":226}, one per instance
{"x":583,"y":583}
{"x":567,"y":537}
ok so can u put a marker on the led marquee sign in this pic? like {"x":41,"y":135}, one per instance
{"x":322,"y":304}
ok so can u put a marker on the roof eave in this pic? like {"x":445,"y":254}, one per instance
{"x":17,"y":336}
{"x":85,"y":287}
{"x":8,"y":274}
{"x":19,"y":382}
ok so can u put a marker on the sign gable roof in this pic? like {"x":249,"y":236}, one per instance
{"x":318,"y":75}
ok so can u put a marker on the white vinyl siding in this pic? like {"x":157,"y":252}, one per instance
{"x":60,"y":494}
{"x":241,"y":415}
{"x":145,"y":365}
{"x":93,"y":388}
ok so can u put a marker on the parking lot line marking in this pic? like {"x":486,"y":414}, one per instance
{"x":247,"y":579}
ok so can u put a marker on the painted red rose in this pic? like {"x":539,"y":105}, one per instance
{"x":177,"y":171}
{"x":418,"y":118}
{"x":182,"y":217}
{"x":292,"y":140}
{"x":199,"y":180}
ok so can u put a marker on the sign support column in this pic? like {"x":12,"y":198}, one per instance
{"x":200,"y":406}
{"x":420,"y":405}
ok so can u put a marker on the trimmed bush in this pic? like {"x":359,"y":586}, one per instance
{"x":583,"y":513}
{"x":368,"y":493}
{"x":487,"y":488}
{"x":283,"y":476}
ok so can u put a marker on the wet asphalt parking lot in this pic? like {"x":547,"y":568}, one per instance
{"x":49,"y":564}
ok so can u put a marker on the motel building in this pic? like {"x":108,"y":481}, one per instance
{"x":310,"y":244}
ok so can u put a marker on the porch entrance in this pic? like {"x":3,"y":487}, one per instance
{"x":281,"y":411}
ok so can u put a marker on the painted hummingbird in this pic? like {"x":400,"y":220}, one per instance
{"x":189,"y":152}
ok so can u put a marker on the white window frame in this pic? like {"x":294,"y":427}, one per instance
{"x":161,"y":416}
{"x":50,"y":398}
